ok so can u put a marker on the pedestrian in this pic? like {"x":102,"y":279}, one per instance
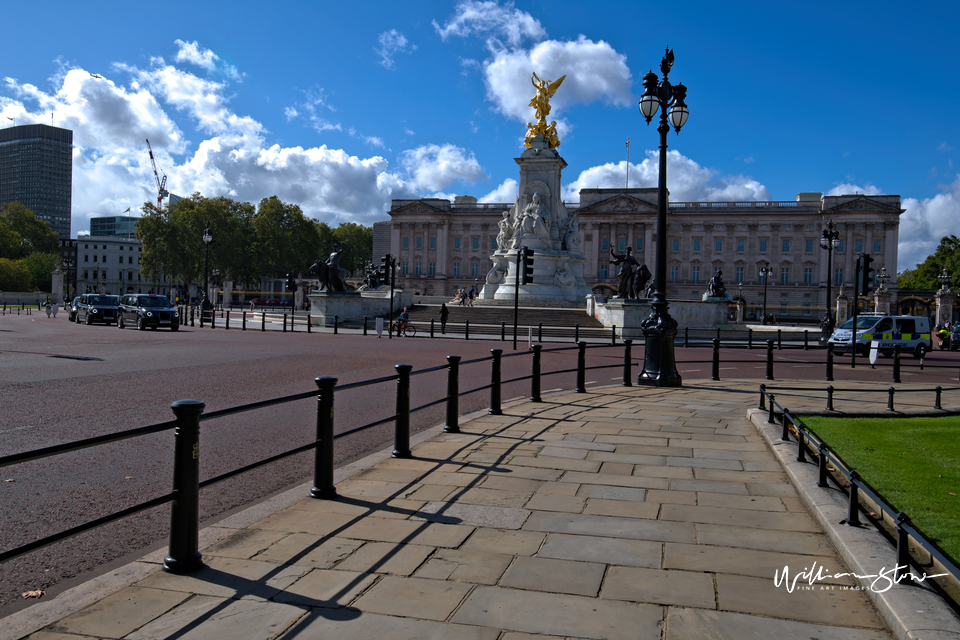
{"x":470,"y":296}
{"x":463,"y":297}
{"x":444,"y":314}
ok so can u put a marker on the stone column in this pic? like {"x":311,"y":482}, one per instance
{"x":881,"y":300}
{"x":227,"y":291}
{"x":945,"y":302}
{"x":741,"y":311}
{"x":56,"y":286}
{"x":842,"y":305}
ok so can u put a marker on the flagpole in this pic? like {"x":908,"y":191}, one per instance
{"x":628,"y":164}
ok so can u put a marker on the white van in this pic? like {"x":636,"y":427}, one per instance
{"x":912,"y":333}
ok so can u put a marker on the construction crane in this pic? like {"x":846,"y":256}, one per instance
{"x":161,"y":184}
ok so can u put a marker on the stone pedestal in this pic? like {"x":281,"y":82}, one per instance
{"x":945,"y":301}
{"x":881,"y":301}
{"x":557,"y":275}
{"x":56,"y":286}
{"x":842,"y":308}
{"x":627,"y":315}
{"x":324,"y":307}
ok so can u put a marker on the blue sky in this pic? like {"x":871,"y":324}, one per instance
{"x":340,"y":107}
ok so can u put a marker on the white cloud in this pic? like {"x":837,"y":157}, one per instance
{"x":291,"y":113}
{"x":943,"y":146}
{"x":687,"y":181}
{"x":594,"y":70}
{"x":313,"y":106}
{"x":493,"y":21}
{"x":193,"y":53}
{"x":391,"y":43}
{"x":845,"y":188}
{"x":435,"y":167}
{"x":506,"y":192}
{"x":925,"y":222}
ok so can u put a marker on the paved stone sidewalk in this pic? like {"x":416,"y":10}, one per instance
{"x":628,"y":513}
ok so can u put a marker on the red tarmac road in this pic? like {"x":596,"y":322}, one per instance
{"x":62,"y":382}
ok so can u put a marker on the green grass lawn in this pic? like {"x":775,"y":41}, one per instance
{"x":913,"y":462}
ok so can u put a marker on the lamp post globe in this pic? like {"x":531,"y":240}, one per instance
{"x":659,"y":329}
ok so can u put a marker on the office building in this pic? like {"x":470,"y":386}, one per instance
{"x":36,"y":170}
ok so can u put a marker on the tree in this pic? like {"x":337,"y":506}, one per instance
{"x":285,"y":239}
{"x":357,"y":241}
{"x":925,"y":276}
{"x":14,"y":275}
{"x":40,"y":266}
{"x":35,"y":234}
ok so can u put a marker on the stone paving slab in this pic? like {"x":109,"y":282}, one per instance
{"x":620,"y":513}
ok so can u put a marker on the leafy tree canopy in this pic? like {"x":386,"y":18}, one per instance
{"x":14,"y":275}
{"x":925,"y":276}
{"x":22,"y":233}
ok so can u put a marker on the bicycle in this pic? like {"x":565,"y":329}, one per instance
{"x":407,"y":330}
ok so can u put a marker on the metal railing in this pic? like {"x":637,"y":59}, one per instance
{"x":808,"y":443}
{"x":183,"y":555}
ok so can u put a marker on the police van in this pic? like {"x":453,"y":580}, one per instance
{"x":912,"y":333}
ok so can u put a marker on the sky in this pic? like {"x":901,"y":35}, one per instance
{"x":341,"y":107}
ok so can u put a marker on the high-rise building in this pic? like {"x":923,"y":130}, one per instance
{"x":36,"y":170}
{"x":114,"y":226}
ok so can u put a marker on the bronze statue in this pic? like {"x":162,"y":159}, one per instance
{"x":641,"y":278}
{"x":627,"y":264}
{"x":715,"y":288}
{"x":331,"y":276}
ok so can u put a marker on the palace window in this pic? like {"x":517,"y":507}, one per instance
{"x":621,"y":244}
{"x":474,"y":269}
{"x":786,"y":245}
{"x":696,"y":246}
{"x":739,"y":277}
{"x":639,"y":244}
{"x":718,"y":245}
{"x":456,"y":269}
{"x":433,"y":269}
{"x":840,"y":246}
{"x":419,"y":242}
{"x":674,"y":273}
{"x":676,"y":244}
{"x":809,"y":246}
{"x":433,"y":242}
{"x":808,"y":275}
{"x":406,"y":242}
{"x":740,"y":245}
{"x":404,"y":268}
{"x":784,"y":274}
{"x":476,"y":243}
{"x":604,"y":244}
{"x":878,"y":246}
{"x":838,"y":275}
{"x":858,"y":245}
{"x":695,"y":274}
{"x":418,"y":268}
{"x":456,"y":244}
{"x":763,"y":246}
{"x":604,"y":272}
{"x":493,"y":244}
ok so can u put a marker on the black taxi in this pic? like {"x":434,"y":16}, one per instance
{"x":144,"y":310}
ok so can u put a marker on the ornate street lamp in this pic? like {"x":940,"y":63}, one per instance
{"x":764,"y":272}
{"x":659,"y":329}
{"x":830,"y":240}
{"x":205,"y":304}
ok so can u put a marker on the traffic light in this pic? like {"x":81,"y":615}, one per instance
{"x":291,"y":282}
{"x":866,"y":274}
{"x":526,"y":265}
{"x":385,"y":268}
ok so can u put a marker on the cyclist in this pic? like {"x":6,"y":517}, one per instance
{"x":402,"y":320}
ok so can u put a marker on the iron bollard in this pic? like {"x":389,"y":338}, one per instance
{"x":284,"y":323}
{"x":336,"y":321}
{"x":309,"y":323}
{"x":613,"y":336}
{"x":263,"y":320}
{"x":830,"y":398}
{"x":627,"y":363}
{"x":890,"y":399}
{"x":822,"y":466}
{"x":902,"y":572}
{"x":503,"y":331}
{"x":896,"y":364}
{"x":686,"y":336}
{"x":853,"y":505}
{"x":779,"y":339}
{"x":243,"y":324}
{"x":539,"y":332}
{"x":715,"y":371}
{"x":192,"y":324}
{"x":769,"y":359}
{"x":495,"y":382}
{"x":785,"y":422}
{"x":431,"y":327}
{"x":365,"y":326}
{"x":202,"y":314}
{"x":466,"y":329}
{"x":770,"y":419}
{"x":749,"y":338}
{"x":535,"y":375}
{"x":213,"y":319}
{"x":581,"y":367}
{"x":183,"y":554}
{"x":829,"y":377}
{"x":806,"y":340}
{"x":323,"y":486}
{"x":576,"y":333}
{"x":936,"y":404}
{"x":763,"y":397}
{"x":401,"y":438}
{"x":227,"y":321}
{"x":801,"y":446}
{"x":453,"y":396}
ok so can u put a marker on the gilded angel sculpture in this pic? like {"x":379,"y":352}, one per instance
{"x":541,"y":103}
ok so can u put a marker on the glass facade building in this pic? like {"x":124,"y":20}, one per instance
{"x":36,"y":170}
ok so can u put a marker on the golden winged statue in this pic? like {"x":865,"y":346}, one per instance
{"x":541,"y":103}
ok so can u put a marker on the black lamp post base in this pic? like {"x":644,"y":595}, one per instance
{"x":659,"y":361}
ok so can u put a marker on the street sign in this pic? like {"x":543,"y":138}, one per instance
{"x":874,"y":345}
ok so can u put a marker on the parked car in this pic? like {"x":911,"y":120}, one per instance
{"x":258,"y":301}
{"x":94,"y":307}
{"x":147,"y":310}
{"x":72,"y":309}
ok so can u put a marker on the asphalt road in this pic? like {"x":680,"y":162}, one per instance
{"x":62,"y":382}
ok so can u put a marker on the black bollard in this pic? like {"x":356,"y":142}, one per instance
{"x":243,"y":325}
{"x":779,"y":339}
{"x":431,"y":327}
{"x":829,"y":377}
{"x":539,"y":332}
{"x":936,"y":404}
{"x":749,"y":338}
{"x":503,"y":331}
{"x":785,"y":422}
{"x":263,"y":320}
{"x":535,"y":375}
{"x":576,"y":333}
{"x":495,"y":382}
{"x":336,"y":322}
{"x":453,"y":395}
{"x":183,"y":554}
{"x":763,"y":397}
{"x":890,"y":393}
{"x":466,"y":329}
{"x":902,"y":573}
{"x":323,"y":486}
{"x":896,"y":364}
{"x":365,"y":326}
{"x":715,"y":371}
{"x":284,"y":323}
{"x":309,"y":323}
{"x":801,"y":445}
{"x":769,"y":359}
{"x":613,"y":336}
{"x":213,"y":319}
{"x":226,"y":324}
{"x":581,"y":367}
{"x":770,"y":418}
{"x":401,"y":438}
{"x":627,"y":363}
{"x":686,"y":336}
{"x":830,"y":398}
{"x":853,"y":505}
{"x":806,"y":340}
{"x":822,"y":455}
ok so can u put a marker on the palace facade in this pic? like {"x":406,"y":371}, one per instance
{"x":442,"y":246}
